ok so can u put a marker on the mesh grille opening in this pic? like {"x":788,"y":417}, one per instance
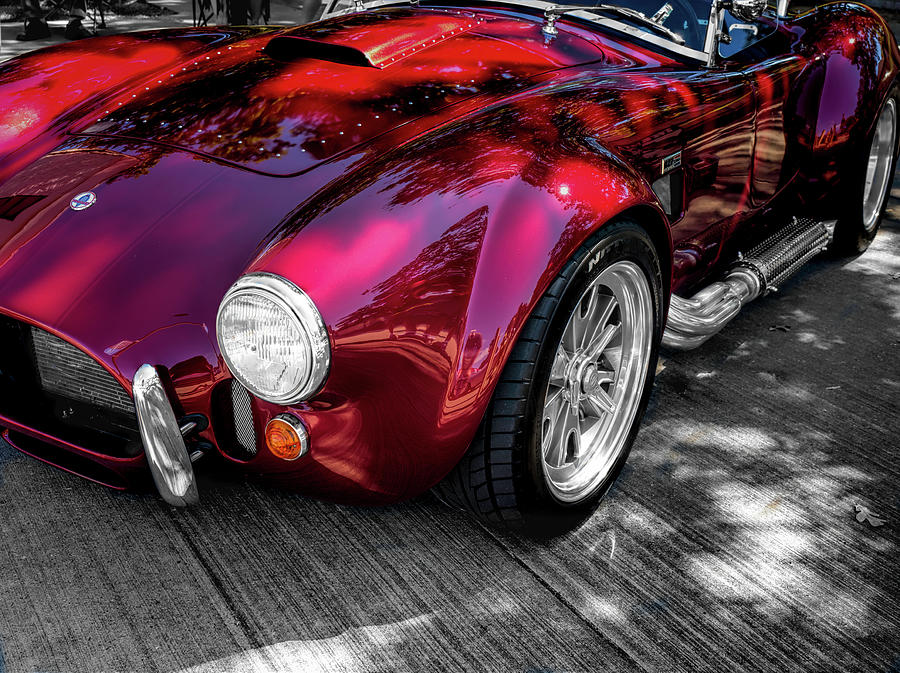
{"x":49,"y":385}
{"x":233,"y":421}
{"x":67,"y":371}
{"x":242,"y":417}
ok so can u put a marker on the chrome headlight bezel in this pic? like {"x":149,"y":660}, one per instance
{"x":299,"y":307}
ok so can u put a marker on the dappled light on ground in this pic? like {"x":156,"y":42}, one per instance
{"x":735,"y":522}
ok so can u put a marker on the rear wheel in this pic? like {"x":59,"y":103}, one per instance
{"x":864,"y":199}
{"x":570,"y":399}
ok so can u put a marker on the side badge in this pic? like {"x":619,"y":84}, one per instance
{"x":671,"y":162}
{"x":83,"y":201}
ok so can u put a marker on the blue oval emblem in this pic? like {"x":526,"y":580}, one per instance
{"x":83,"y":200}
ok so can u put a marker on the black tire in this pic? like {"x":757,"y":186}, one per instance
{"x":500,"y":479}
{"x":851,"y":235}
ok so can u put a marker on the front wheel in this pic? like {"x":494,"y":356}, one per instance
{"x":570,"y":399}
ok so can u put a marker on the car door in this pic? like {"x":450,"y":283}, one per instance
{"x":689,"y":130}
{"x":760,"y":53}
{"x":717,"y":159}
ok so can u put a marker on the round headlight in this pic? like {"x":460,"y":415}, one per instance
{"x":273,"y":339}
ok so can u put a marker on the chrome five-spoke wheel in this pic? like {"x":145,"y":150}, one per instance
{"x":596,"y":381}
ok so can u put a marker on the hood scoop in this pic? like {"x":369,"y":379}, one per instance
{"x":292,"y":48}
{"x":377,"y":45}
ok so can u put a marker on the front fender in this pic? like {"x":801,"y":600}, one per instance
{"x":425,"y":264}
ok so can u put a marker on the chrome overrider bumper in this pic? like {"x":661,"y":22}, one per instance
{"x":170,"y":463}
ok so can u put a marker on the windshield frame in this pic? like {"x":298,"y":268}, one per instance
{"x":705,"y":56}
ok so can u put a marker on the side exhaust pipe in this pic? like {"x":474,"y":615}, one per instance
{"x":694,"y":321}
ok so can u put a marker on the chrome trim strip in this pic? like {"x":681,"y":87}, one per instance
{"x":712,"y":31}
{"x":164,"y":446}
{"x":188,"y":428}
{"x":332,"y":11}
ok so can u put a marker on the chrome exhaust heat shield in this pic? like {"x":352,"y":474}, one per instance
{"x":694,"y":321}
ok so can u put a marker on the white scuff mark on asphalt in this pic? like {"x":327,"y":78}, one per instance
{"x":705,"y":375}
{"x":864,"y":514}
{"x":595,"y":548}
{"x":356,"y":650}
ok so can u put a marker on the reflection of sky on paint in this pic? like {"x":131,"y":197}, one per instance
{"x":281,"y":116}
{"x":843,"y":76}
{"x":40,"y":87}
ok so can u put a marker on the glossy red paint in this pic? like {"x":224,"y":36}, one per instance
{"x":50,"y":92}
{"x":423,"y":199}
{"x":283,"y":117}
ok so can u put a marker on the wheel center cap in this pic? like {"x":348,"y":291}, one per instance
{"x":590,"y":380}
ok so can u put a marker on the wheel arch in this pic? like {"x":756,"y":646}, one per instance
{"x":657,"y":227}
{"x":640,"y":208}
{"x":585,"y":212}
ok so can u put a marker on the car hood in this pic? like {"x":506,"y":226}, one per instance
{"x":188,"y":170}
{"x":280,"y":101}
{"x":166,"y":236}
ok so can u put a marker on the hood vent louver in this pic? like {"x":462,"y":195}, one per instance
{"x":293,"y":48}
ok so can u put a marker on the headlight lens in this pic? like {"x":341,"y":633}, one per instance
{"x":273,"y":339}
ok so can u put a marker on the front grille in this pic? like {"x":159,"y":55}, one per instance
{"x":49,"y":385}
{"x":64,"y":370}
{"x":242,"y":416}
{"x":233,"y":421}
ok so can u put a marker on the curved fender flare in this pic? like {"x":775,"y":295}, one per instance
{"x":529,"y":238}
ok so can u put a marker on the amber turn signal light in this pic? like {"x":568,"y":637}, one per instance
{"x":286,"y":437}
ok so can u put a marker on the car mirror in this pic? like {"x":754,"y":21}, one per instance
{"x":748,"y":10}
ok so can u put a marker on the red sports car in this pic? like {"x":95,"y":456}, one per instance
{"x":414,"y":244}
